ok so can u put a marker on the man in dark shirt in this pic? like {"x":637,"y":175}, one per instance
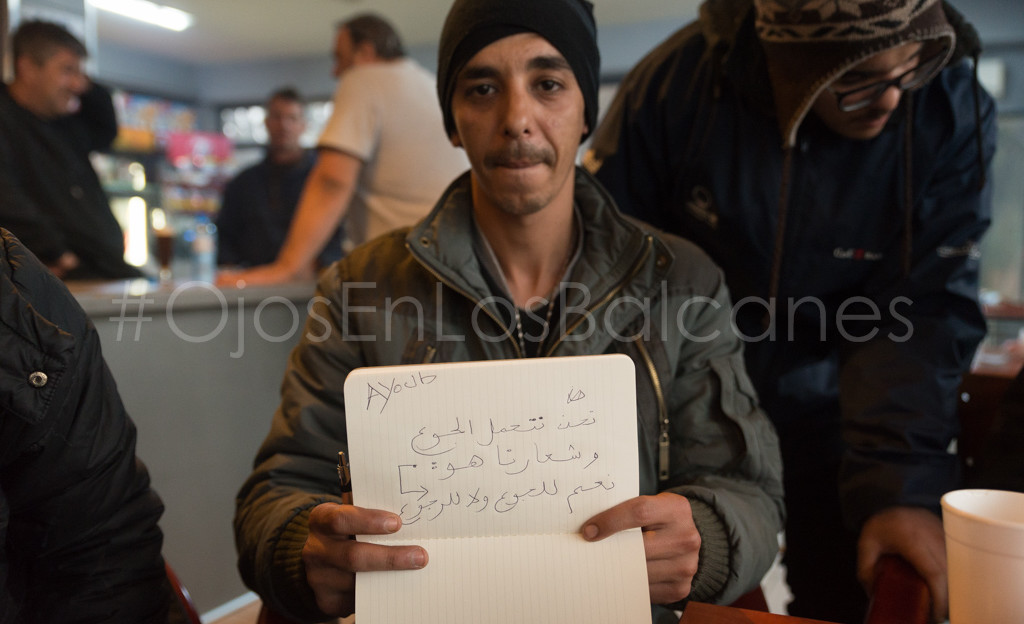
{"x":258,"y":204}
{"x":51,"y":118}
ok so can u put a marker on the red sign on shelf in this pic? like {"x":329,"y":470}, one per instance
{"x":198,"y":149}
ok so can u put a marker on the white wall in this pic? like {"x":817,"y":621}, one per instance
{"x":215,"y":85}
{"x":1000,"y":23}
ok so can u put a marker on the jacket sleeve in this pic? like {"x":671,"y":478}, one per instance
{"x":295,"y":469}
{"x":898,"y":384}
{"x":82,"y":544}
{"x":724,"y":450}
{"x":96,"y":120}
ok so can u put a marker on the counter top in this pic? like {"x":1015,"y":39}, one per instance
{"x":112,"y":297}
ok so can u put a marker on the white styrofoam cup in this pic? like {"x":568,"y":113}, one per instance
{"x":985,"y":552}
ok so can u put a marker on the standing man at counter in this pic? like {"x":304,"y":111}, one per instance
{"x":382,"y":159}
{"x":832,"y":157}
{"x":537,"y":245}
{"x":51,"y":117}
{"x":259,"y":203}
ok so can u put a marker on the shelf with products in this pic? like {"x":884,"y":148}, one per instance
{"x":185,"y":168}
{"x":192,"y":176}
{"x":168,"y":199}
{"x":125,"y":174}
{"x":164,"y":178}
{"x":128,"y":179}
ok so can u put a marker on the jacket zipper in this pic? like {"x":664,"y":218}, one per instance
{"x":659,"y":395}
{"x":431,"y":351}
{"x":440,"y":278}
{"x":649,"y":240}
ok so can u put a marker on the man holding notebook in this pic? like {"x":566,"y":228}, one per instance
{"x":524,"y":256}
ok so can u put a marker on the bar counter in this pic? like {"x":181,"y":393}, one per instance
{"x":199,"y":370}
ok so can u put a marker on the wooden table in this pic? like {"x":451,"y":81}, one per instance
{"x":700,"y":613}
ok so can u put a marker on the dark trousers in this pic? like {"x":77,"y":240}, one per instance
{"x":821,"y":553}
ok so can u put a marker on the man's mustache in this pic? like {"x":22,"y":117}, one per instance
{"x":519,"y":154}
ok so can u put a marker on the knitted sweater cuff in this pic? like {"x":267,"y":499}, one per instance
{"x":714,"y":566}
{"x":296,"y":599}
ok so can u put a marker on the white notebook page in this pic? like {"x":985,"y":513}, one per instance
{"x":494,"y":467}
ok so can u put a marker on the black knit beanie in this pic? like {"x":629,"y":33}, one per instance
{"x":472,"y":25}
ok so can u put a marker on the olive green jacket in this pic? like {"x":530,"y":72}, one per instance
{"x":651,"y":296}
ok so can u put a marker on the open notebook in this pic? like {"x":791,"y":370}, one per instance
{"x":494,"y":468}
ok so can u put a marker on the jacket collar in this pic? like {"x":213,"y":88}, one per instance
{"x":21,"y":273}
{"x":443,"y":241}
{"x":618,"y":258}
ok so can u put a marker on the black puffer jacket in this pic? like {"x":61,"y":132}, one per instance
{"x":79,"y":540}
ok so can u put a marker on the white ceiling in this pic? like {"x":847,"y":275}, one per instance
{"x":231,"y":30}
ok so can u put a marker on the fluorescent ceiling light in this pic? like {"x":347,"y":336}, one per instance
{"x":149,"y":12}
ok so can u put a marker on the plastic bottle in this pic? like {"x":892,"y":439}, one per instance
{"x":204,"y":250}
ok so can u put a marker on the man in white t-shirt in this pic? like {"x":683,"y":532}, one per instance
{"x":382,"y":162}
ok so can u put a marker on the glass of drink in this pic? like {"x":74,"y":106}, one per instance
{"x":165,"y":253}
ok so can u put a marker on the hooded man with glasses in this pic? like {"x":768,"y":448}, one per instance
{"x":831,"y":156}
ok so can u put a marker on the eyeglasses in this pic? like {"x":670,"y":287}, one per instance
{"x":862,"y":97}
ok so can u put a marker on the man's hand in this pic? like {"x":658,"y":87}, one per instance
{"x":332,"y":557}
{"x":261,"y":275}
{"x":63,"y":265}
{"x":916,"y":535}
{"x":671,"y":540}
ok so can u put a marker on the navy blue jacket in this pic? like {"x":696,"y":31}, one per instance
{"x":694,"y":148}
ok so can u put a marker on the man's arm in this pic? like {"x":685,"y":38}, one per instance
{"x":98,"y":118}
{"x":325,"y":200}
{"x":294,"y":538}
{"x":93,"y":127}
{"x":898,"y":391}
{"x":713,"y":532}
{"x":916,"y":534}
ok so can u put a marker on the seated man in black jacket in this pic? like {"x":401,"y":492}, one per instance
{"x":51,"y":118}
{"x":79,"y":541}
